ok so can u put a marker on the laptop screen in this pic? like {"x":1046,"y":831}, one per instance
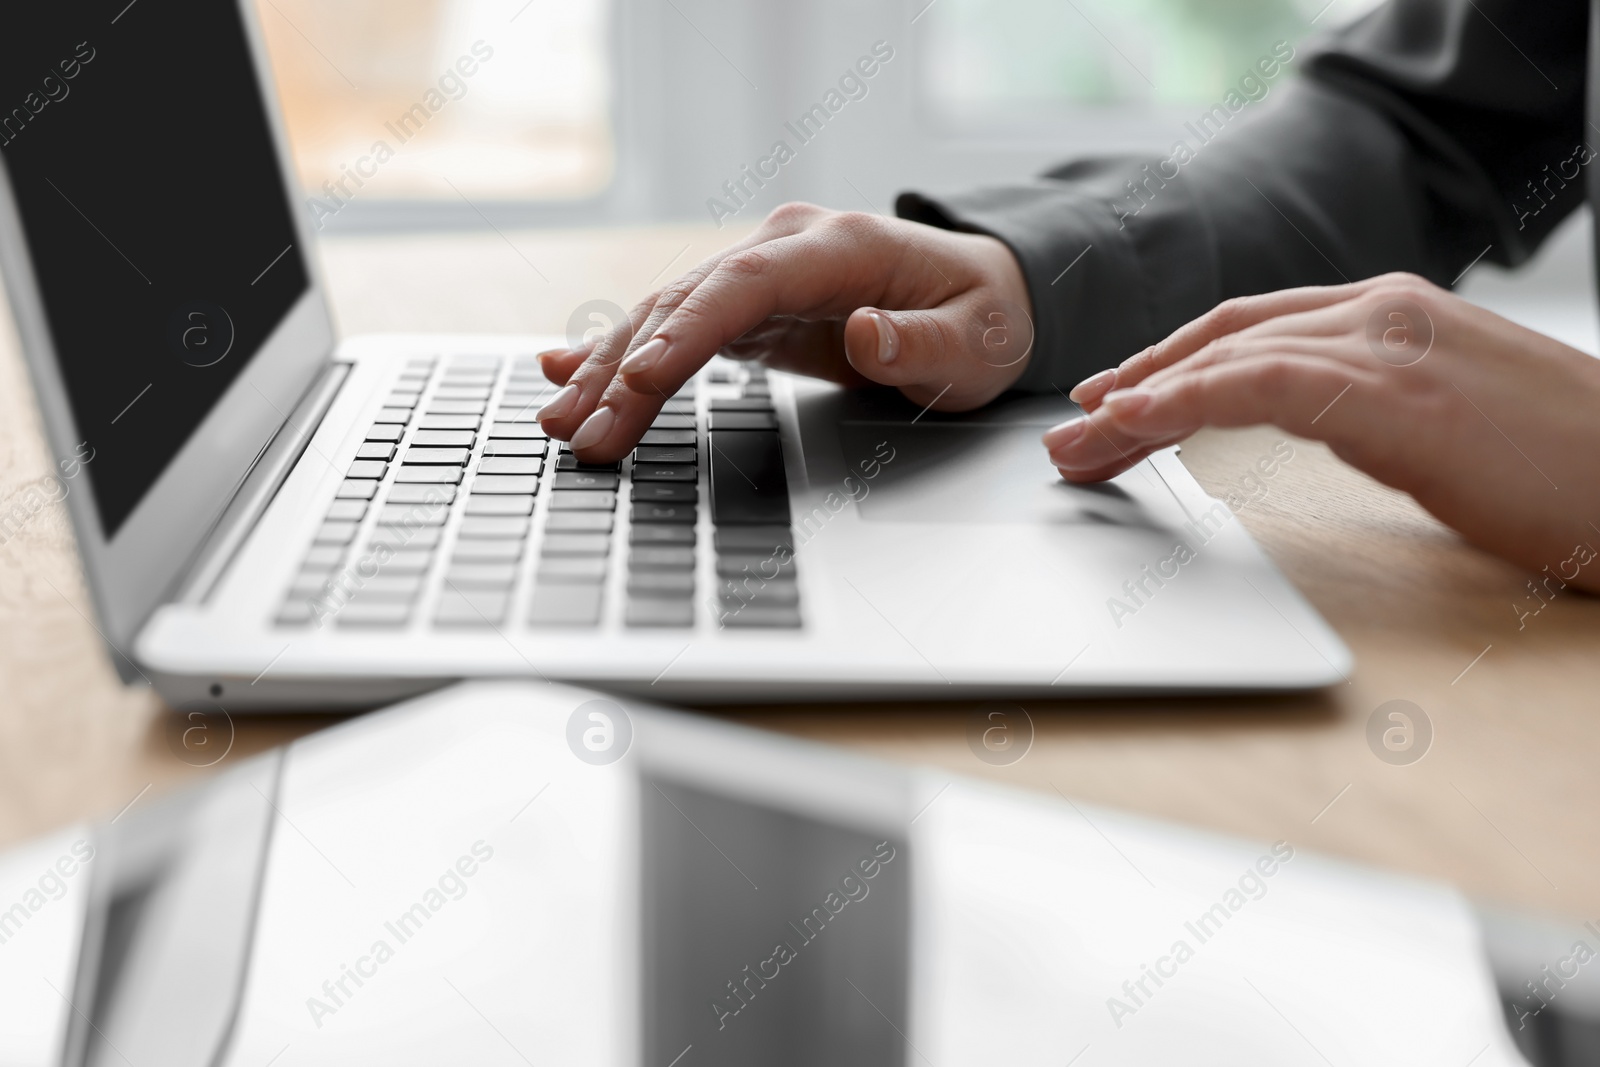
{"x":137,"y":145}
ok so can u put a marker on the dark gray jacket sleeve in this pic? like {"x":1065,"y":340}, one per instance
{"x":1412,"y":140}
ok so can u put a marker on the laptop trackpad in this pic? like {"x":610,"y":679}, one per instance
{"x":947,"y":472}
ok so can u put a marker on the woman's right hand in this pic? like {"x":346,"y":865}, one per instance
{"x":851,"y":297}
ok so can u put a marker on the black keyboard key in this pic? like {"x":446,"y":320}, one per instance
{"x":568,"y":462}
{"x":748,"y":483}
{"x":663,"y":492}
{"x":756,"y":616}
{"x":673,"y":422}
{"x":664,"y":513}
{"x":777,"y":593}
{"x":650,"y":533}
{"x":653,"y":611}
{"x":750,"y":403}
{"x":583,"y":500}
{"x":665,"y":454}
{"x":379,"y":450}
{"x":665,"y":472}
{"x":678,"y":407}
{"x":585,"y":480}
{"x":754,"y":538}
{"x":766,"y":566}
{"x":661,"y":583}
{"x":367,"y":468}
{"x":743,"y":420}
{"x":668,"y":437}
{"x":579,"y":522}
{"x":385,"y":432}
{"x":576,"y":544}
{"x":661,"y":558}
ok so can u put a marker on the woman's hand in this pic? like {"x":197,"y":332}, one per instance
{"x":1493,"y":428}
{"x":850,"y":297}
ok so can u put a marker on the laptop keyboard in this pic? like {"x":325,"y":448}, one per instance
{"x":458,"y":512}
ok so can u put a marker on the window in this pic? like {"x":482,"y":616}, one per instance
{"x":1016,"y":60}
{"x":497,"y":100}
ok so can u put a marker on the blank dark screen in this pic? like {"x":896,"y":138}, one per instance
{"x":769,"y":937}
{"x":136,"y":141}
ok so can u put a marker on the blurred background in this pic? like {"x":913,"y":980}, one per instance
{"x":600,"y":111}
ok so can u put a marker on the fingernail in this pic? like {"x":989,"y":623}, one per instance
{"x":1093,"y":385}
{"x":888,"y":339}
{"x":1065,"y":434}
{"x":559,"y":404}
{"x":1128,"y":402}
{"x":594,"y":429}
{"x":648,"y":355}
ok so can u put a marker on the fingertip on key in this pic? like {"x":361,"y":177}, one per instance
{"x":595,"y":429}
{"x":560,"y":404}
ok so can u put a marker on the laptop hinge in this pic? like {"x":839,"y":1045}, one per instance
{"x":259,"y":485}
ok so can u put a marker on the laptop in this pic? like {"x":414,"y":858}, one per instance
{"x":271,"y":517}
{"x":510,"y":872}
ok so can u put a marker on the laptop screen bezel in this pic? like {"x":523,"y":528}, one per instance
{"x":133,"y":572}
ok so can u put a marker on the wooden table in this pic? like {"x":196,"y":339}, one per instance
{"x":1504,"y":803}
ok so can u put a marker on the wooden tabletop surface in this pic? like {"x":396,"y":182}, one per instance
{"x":1503,"y":803}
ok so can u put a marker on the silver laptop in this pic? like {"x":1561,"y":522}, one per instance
{"x":511,"y":873}
{"x":271,"y":517}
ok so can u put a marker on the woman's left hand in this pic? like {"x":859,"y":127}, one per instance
{"x":1493,"y":428}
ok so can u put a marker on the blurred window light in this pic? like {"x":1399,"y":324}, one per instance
{"x":989,"y":60}
{"x":502,"y":100}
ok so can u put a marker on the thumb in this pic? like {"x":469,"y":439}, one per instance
{"x":973,"y":346}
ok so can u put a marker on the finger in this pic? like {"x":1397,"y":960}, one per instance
{"x":1107,"y":471}
{"x":828,"y":270}
{"x":1088,"y":393}
{"x":1092,"y":450}
{"x":566,"y":412}
{"x":1293,"y":392}
{"x":558,"y":364}
{"x":587,"y":373}
{"x":1323,"y":334}
{"x":1228,"y":317}
{"x":788,"y":344}
{"x":938,"y":356}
